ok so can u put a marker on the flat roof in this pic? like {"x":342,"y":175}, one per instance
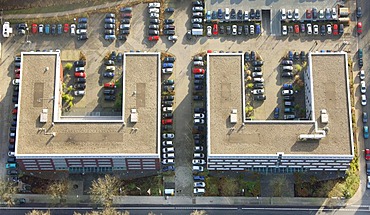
{"x":225,"y":92}
{"x":86,"y":138}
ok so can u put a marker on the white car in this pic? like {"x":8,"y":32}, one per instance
{"x":258,"y":91}
{"x":198,"y":116}
{"x":284,"y":30}
{"x":256,"y":74}
{"x":168,"y":161}
{"x":234,"y":30}
{"x":321,"y":14}
{"x":198,"y":155}
{"x":11,"y":154}
{"x":363,"y":86}
{"x":290,"y":68}
{"x":155,"y":4}
{"x":227,"y":14}
{"x":287,"y":92}
{"x":197,"y":9}
{"x":334,"y":13}
{"x":198,"y":121}
{"x":79,"y":69}
{"x":16,"y":82}
{"x":168,"y":136}
{"x":199,"y":184}
{"x":73,"y":29}
{"x":199,"y":162}
{"x":167,"y":143}
{"x":290,"y":14}
{"x":328,"y":26}
{"x":79,"y":93}
{"x":209,"y":31}
{"x":367,"y":184}
{"x":167,"y":109}
{"x":154,"y":15}
{"x":172,"y":38}
{"x":168,"y":155}
{"x":167,"y":150}
{"x":198,"y":148}
{"x":362,"y":75}
{"x":251,"y":29}
{"x":167,"y":70}
{"x":283,"y":14}
{"x":315,"y":29}
{"x":196,"y":20}
{"x":296,"y":14}
{"x":153,"y":10}
{"x":309,"y":28}
{"x":260,"y":80}
{"x":198,"y":168}
{"x":246,"y":16}
{"x":199,"y":190}
{"x":363,"y":100}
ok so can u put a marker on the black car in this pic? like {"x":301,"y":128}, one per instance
{"x":296,"y":56}
{"x":232,"y":14}
{"x":341,"y":29}
{"x":188,"y":35}
{"x":169,"y":59}
{"x":360,"y":62}
{"x":258,"y":14}
{"x":153,"y":21}
{"x":12,"y":172}
{"x":13,"y":129}
{"x":122,"y":37}
{"x":81,"y":86}
{"x":16,"y":88}
{"x":240,"y":29}
{"x":79,"y":63}
{"x":119,"y":57}
{"x":168,"y":98}
{"x":126,"y":32}
{"x":199,"y":110}
{"x":53,"y":29}
{"x":169,"y":10}
{"x":82,"y":37}
{"x":113,"y":56}
{"x":240,"y":14}
{"x":110,"y":98}
{"x":198,"y":98}
{"x":15,"y":93}
{"x":246,"y":56}
{"x":257,"y":63}
{"x":314,"y":13}
{"x":303,"y":56}
{"x":197,"y":3}
{"x":253,"y":55}
{"x":167,"y":115}
{"x":228,"y":30}
{"x":11,"y":160}
{"x":167,"y":127}
{"x":109,"y":92}
{"x":198,"y":128}
{"x":323,"y":30}
{"x":125,"y":21}
{"x":169,"y":32}
{"x":288,"y":98}
{"x":258,"y":86}
{"x":167,"y":103}
{"x":109,"y":63}
{"x":252,"y":14}
{"x":359,"y":12}
{"x":246,"y":29}
{"x":153,"y":32}
{"x":109,"y":32}
{"x":287,"y":62}
{"x":169,"y":27}
{"x":214,"y":14}
{"x":15,"y":99}
{"x":169,"y":21}
{"x":81,"y":80}
{"x":221,"y":29}
{"x":257,"y":69}
{"x":82,"y":26}
{"x":198,"y":81}
{"x":259,"y":97}
{"x":14,"y":124}
{"x":287,"y":74}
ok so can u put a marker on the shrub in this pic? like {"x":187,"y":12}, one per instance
{"x":68,"y":66}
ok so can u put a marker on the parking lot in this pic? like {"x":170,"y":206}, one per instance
{"x":271,"y":49}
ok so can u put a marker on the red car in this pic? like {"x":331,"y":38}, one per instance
{"x":66,"y":28}
{"x":34,"y":28}
{"x":126,"y":15}
{"x":335,"y":29}
{"x":153,"y":38}
{"x":11,"y":140}
{"x":17,"y":71}
{"x":308,"y":14}
{"x":14,"y":111}
{"x":209,"y":51}
{"x":198,"y":71}
{"x":80,"y":75}
{"x":296,"y":29}
{"x":109,"y":85}
{"x":367,"y":154}
{"x":359,"y":27}
{"x":215,"y":29}
{"x":17,"y":76}
{"x":166,"y":121}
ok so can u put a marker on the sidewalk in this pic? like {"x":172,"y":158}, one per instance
{"x":174,"y":200}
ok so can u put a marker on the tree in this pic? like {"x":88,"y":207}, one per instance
{"x":68,"y":66}
{"x":196,"y":212}
{"x":59,"y":189}
{"x":104,"y":189}
{"x":7,"y":189}
{"x":36,"y":212}
{"x":106,"y":211}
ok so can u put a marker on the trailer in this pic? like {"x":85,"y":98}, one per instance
{"x":197,"y":32}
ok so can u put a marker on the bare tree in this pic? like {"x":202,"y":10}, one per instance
{"x":104,"y":189}
{"x":106,"y":211}
{"x":59,"y":189}
{"x":7,"y":189}
{"x":196,"y":212}
{"x":36,"y":212}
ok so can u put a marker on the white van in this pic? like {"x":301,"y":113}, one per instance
{"x":169,"y":192}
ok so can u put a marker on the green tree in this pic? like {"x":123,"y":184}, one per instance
{"x":68,"y":66}
{"x":7,"y":189}
{"x":59,"y":189}
{"x":104,"y":189}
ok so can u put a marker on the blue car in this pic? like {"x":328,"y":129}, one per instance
{"x":366,"y":132}
{"x":167,"y":65}
{"x":208,"y":16}
{"x":108,"y":74}
{"x":198,"y":76}
{"x":276,"y":113}
{"x":168,"y":168}
{"x":198,"y":87}
{"x":198,"y":178}
{"x":258,"y":29}
{"x":288,"y":86}
{"x":47,"y":29}
{"x":220,"y":14}
{"x":290,"y":55}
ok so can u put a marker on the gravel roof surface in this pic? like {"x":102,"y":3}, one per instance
{"x":267,"y":138}
{"x":87,"y":138}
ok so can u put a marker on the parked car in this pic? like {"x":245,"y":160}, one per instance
{"x":366,"y":131}
{"x":363,"y":100}
{"x":168,"y":136}
{"x":364,"y":117}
